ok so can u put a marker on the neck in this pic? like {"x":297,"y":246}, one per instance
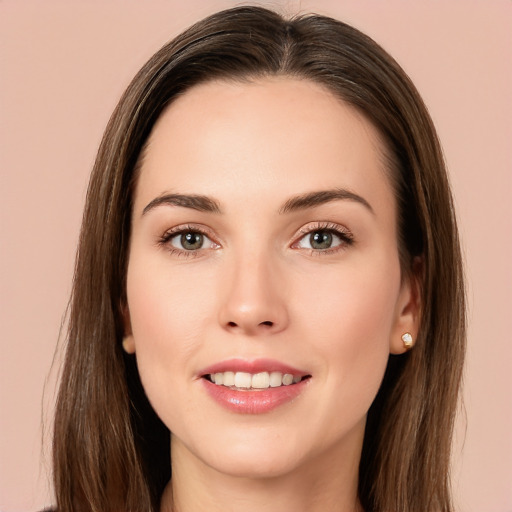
{"x":328,"y":484}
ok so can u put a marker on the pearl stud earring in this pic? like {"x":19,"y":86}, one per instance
{"x":407,"y":339}
{"x":129,"y":345}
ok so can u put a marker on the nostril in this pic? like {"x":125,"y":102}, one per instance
{"x":267,"y":324}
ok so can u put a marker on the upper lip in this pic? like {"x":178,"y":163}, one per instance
{"x":253,"y":366}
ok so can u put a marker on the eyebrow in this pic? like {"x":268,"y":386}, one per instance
{"x":302,"y":202}
{"x":313,"y":199}
{"x":195,"y":202}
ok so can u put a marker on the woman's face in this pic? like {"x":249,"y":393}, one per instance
{"x":264,"y":243}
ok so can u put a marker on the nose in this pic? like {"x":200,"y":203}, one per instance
{"x":254,"y":297}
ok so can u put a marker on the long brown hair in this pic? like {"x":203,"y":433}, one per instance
{"x":111,"y":452}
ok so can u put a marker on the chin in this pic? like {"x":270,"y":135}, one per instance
{"x":251,"y":457}
{"x":262,"y":467}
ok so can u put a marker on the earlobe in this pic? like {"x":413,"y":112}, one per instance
{"x":408,"y":313}
{"x":129,"y":344}
{"x":128,"y":340}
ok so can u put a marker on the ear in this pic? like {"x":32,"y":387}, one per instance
{"x":128,"y":341}
{"x":408,"y":309}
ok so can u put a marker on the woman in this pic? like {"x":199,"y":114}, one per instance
{"x":268,"y":284}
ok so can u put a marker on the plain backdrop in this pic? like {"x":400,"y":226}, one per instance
{"x":63,"y":66}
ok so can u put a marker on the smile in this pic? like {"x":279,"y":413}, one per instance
{"x":253,"y":387}
{"x":246,"y":381}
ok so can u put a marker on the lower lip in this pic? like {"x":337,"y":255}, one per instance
{"x":254,"y":402}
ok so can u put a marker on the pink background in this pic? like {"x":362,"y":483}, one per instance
{"x":63,"y":66}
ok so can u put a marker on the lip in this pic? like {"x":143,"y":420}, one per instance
{"x":253,"y":402}
{"x":255,"y":366}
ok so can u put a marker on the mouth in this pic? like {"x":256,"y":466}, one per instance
{"x":244,"y":381}
{"x":253,"y":387}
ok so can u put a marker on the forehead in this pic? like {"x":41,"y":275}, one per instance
{"x":265,"y":138}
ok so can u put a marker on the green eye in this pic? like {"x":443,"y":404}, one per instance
{"x":187,"y":241}
{"x":321,"y":240}
{"x":190,"y":241}
{"x":326,"y":238}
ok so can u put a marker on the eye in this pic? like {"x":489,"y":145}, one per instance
{"x":324,"y":238}
{"x":319,"y":240}
{"x":187,"y":240}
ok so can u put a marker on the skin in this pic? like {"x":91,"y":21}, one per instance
{"x":257,"y":289}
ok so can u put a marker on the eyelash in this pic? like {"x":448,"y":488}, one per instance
{"x":345,"y":235}
{"x":166,"y":238}
{"x":346,"y":238}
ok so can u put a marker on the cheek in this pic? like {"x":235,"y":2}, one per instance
{"x":348,"y":316}
{"x":168,"y":313}
{"x":351,"y":303}
{"x":158,"y":317}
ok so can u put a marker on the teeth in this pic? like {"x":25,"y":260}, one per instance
{"x":287,"y":379}
{"x":243,"y":380}
{"x":229,"y":379}
{"x":276,"y":379}
{"x":262,"y":380}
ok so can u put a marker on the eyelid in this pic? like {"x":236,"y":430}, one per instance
{"x":342,"y":232}
{"x":171,"y":233}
